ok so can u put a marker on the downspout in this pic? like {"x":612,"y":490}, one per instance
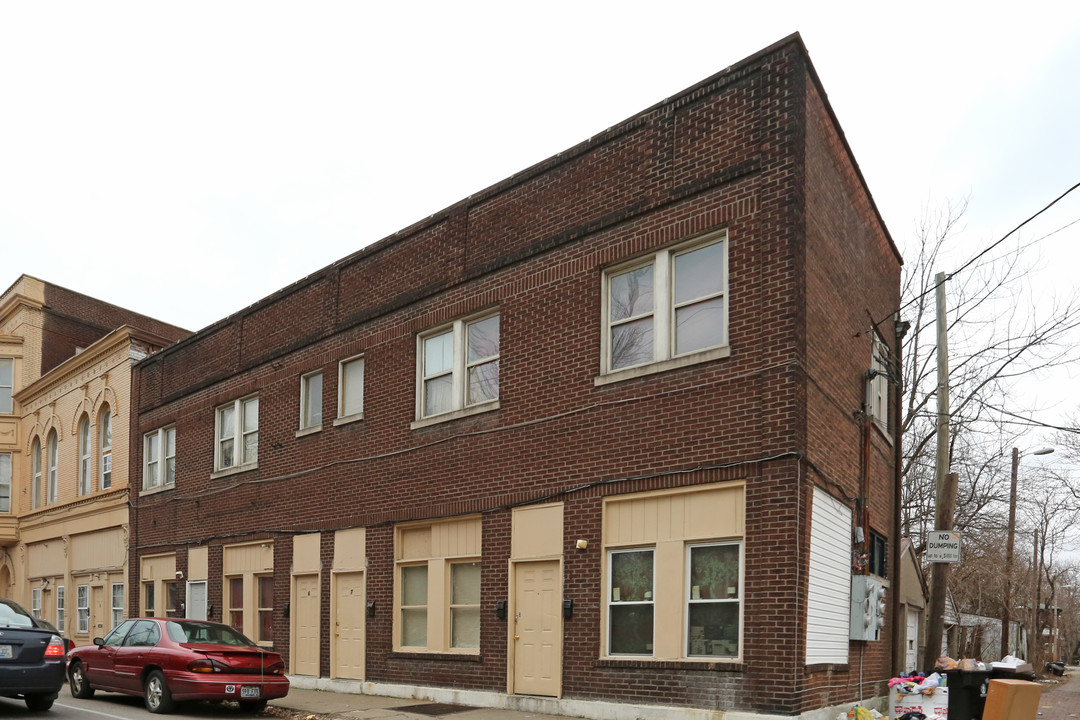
{"x":896,"y":394}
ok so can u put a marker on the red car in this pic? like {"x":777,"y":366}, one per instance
{"x":168,"y":660}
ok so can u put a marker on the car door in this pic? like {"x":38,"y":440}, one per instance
{"x":100,"y":663}
{"x":132,"y":653}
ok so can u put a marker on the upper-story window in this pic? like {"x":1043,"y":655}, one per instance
{"x":159,"y":458}
{"x":877,"y":389}
{"x":7,"y":384}
{"x":5,"y":482}
{"x":311,"y":401}
{"x":105,"y":447}
{"x":84,"y":456}
{"x":666,"y":306}
{"x":35,"y":468}
{"x":53,"y":458}
{"x":459,"y":366}
{"x":237,"y":433}
{"x":351,"y":387}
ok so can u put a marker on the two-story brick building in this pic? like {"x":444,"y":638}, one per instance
{"x":615,"y":430}
{"x":65,"y":381}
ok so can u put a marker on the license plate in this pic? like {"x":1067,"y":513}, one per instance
{"x":250,"y":691}
{"x":5,"y":652}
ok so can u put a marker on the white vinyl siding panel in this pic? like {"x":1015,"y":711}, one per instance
{"x":828,"y":605}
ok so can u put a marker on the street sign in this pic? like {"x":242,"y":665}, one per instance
{"x":943,"y":546}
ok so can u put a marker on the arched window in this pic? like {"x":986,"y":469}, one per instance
{"x":84,"y":456}
{"x":52,"y":460}
{"x":35,"y":461}
{"x":105,"y":447}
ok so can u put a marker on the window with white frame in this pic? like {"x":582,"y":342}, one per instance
{"x":712,"y":598}
{"x":459,"y":366}
{"x":877,"y":389}
{"x":7,"y":384}
{"x":237,"y":434}
{"x":117,"y":603}
{"x":630,"y":601}
{"x":84,"y":456}
{"x":351,"y":387}
{"x":5,"y":482}
{"x":60,"y":619}
{"x":105,"y":447}
{"x":35,"y":602}
{"x":159,"y":458}
{"x":311,"y":400}
{"x":35,"y":468}
{"x":53,"y":458}
{"x":82,"y":608}
{"x":668,"y":305}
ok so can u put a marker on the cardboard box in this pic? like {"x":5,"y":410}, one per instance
{"x":1009,"y":699}
{"x":932,"y":706}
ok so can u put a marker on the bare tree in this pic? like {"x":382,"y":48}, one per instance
{"x":997,"y":335}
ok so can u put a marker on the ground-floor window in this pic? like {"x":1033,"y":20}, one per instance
{"x":117,"y":604}
{"x":673,"y":567}
{"x":82,"y":608}
{"x":437,"y":586}
{"x":60,"y":619}
{"x":248,"y":590}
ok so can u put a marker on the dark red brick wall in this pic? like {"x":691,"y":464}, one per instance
{"x":732,"y":153}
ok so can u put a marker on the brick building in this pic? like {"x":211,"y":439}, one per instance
{"x":65,"y":381}
{"x":616,"y":429}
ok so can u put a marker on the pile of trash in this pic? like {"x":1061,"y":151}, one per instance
{"x":860,"y":713}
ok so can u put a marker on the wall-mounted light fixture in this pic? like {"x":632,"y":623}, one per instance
{"x":582,"y":544}
{"x":371,"y":608}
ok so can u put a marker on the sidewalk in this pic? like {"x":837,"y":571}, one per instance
{"x":300,"y":703}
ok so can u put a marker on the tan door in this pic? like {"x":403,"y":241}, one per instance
{"x":537,"y":642}
{"x":97,"y":611}
{"x":306,"y":625}
{"x":349,"y":623}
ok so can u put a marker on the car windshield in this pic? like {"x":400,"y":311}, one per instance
{"x":190,"y":631}
{"x":13,"y":616}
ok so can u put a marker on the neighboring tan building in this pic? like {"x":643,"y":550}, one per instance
{"x":65,"y":383}
{"x":611,"y":437}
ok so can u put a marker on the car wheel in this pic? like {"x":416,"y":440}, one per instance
{"x":39,"y":703}
{"x":156,"y":694}
{"x":252,"y":706}
{"x":77,"y":682}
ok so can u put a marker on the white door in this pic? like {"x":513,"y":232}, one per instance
{"x":196,"y":600}
{"x":911,"y":642}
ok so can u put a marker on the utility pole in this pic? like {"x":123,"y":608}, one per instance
{"x":946,"y":499}
{"x":1009,"y":543}
{"x":1034,"y":634}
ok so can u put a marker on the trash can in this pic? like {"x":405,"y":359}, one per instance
{"x":967,"y":693}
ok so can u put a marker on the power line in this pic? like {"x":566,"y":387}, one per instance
{"x":972,"y":261}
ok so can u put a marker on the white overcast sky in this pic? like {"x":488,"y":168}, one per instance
{"x":187,"y":159}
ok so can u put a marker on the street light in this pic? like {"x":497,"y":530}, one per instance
{"x":1009,"y":541}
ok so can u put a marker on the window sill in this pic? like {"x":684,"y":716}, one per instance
{"x":304,"y":432}
{"x":155,"y":491}
{"x":234,"y":470}
{"x":717,"y":664}
{"x":424,"y":655}
{"x":663,"y":366}
{"x":345,"y":420}
{"x":455,"y":414}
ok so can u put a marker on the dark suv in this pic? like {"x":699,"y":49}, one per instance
{"x":31,"y":658}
